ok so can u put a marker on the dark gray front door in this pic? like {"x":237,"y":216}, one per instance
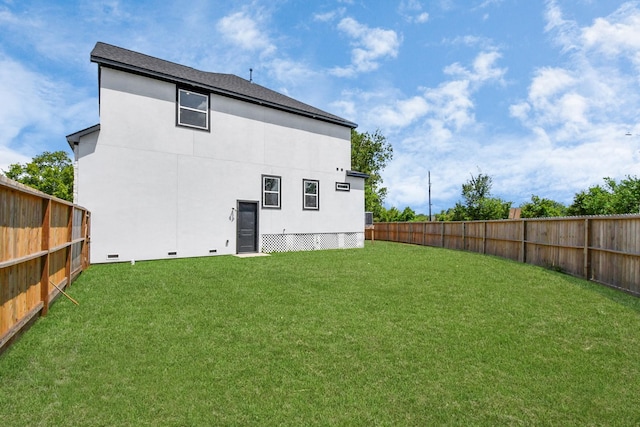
{"x":247,"y":227}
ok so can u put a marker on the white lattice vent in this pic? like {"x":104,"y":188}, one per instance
{"x":311,"y":241}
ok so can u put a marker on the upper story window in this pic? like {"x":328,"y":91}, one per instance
{"x":311,"y":194}
{"x":270,"y":191}
{"x":193,"y":109}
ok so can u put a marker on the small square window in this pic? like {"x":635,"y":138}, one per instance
{"x":271,"y":191}
{"x":343,"y":186}
{"x":193,"y":109}
{"x":311,"y":194}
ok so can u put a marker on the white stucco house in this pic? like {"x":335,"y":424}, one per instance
{"x":187,"y":163}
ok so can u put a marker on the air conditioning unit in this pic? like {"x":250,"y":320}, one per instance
{"x":368,"y":218}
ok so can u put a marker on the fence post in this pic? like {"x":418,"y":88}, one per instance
{"x":44,"y":264}
{"x":67,"y":267}
{"x":585,"y":252}
{"x":86,"y":248}
{"x":464,"y":235}
{"x":523,"y":243}
{"x":442,"y":236}
{"x":484,"y":237}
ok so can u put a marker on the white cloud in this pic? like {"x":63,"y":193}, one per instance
{"x":347,"y":107}
{"x":10,"y":19}
{"x":573,"y":108}
{"x":244,"y":31}
{"x":488,"y":3}
{"x":548,"y":82}
{"x":410,"y":6}
{"x":292,"y":72}
{"x":408,"y":180}
{"x":411,"y":11}
{"x":401,"y":113}
{"x":448,"y":107}
{"x":431,"y":128}
{"x":293,"y":78}
{"x":577,"y":111}
{"x":370,"y":45}
{"x":421,"y":18}
{"x":44,"y":35}
{"x":9,"y":157}
{"x":26,"y":130}
{"x":329,"y":16}
{"x":484,"y":43}
{"x":15,"y":111}
{"x":324,"y":17}
{"x":587,"y":92}
{"x":616,"y":36}
{"x":616,"y":32}
{"x":520,"y":165}
{"x":452,"y":104}
{"x":566,"y":31}
{"x":483,"y":68}
{"x":520,"y":111}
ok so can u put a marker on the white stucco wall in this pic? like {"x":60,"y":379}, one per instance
{"x":155,"y":188}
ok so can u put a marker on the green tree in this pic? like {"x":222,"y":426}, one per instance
{"x":393,"y":214}
{"x":610,"y":199}
{"x":370,"y":153}
{"x":389,"y":215}
{"x":49,"y":172}
{"x":407,"y":215}
{"x":593,"y":201}
{"x":478,"y":203}
{"x":445,"y":215}
{"x":542,"y":208}
{"x":626,"y":195}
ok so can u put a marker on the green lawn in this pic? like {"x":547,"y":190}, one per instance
{"x":389,"y":335}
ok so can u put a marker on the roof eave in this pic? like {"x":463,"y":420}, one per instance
{"x":167,"y":77}
{"x":74,"y":138}
{"x":357,"y":174}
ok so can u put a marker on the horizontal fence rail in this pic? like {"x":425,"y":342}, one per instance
{"x":44,"y":246}
{"x":603,"y":249}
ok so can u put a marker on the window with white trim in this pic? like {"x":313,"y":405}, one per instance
{"x":271,"y":191}
{"x":193,"y":109}
{"x":311,"y":194}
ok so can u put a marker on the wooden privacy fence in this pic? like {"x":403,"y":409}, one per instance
{"x":604,"y":249}
{"x":44,"y":245}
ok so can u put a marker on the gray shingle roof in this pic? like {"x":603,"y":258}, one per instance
{"x":223,"y":84}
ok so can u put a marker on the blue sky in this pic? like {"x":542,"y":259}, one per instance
{"x":537,"y":94}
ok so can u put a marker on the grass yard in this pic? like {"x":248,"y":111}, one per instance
{"x":389,"y":335}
